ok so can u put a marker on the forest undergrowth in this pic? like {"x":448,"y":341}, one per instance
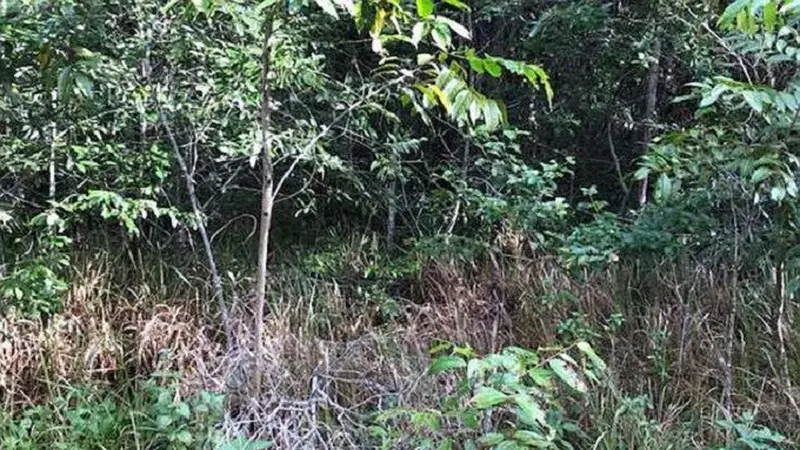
{"x":338,"y":355}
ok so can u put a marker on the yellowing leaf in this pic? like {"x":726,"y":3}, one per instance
{"x":442,"y":97}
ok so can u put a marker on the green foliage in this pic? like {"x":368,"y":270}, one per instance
{"x":514,"y":399}
{"x":154,"y":417}
{"x":750,"y":436}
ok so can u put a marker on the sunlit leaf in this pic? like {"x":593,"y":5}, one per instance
{"x":567,"y":375}
{"x":457,"y":28}
{"x":424,"y":8}
{"x":328,"y":7}
{"x":488,"y":397}
{"x":446,"y":363}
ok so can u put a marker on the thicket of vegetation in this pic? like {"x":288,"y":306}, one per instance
{"x":333,"y":224}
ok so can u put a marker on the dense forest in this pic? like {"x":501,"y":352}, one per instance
{"x":396,"y":224}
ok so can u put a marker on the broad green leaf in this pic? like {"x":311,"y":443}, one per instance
{"x":508,"y":445}
{"x":441,"y":36}
{"x":761,"y":174}
{"x":475,"y":63}
{"x":488,"y":397}
{"x":770,"y":15}
{"x":184,"y":437}
{"x":459,"y":4}
{"x":587,"y":350}
{"x":424,"y":8}
{"x":542,"y":377}
{"x":64,"y":77}
{"x":328,"y":7}
{"x":567,"y":375}
{"x":84,"y":84}
{"x":529,"y":410}
{"x":348,"y":6}
{"x":778,"y":193}
{"x":491,"y":439}
{"x":424,"y":58}
{"x":754,"y":99}
{"x":475,"y":109}
{"x":201,"y":5}
{"x":446,"y":363}
{"x":712,"y":97}
{"x":532,"y":438}
{"x":492,"y":67}
{"x":417,"y":33}
{"x":732,"y":11}
{"x":663,"y":188}
{"x":492,"y":114}
{"x":457,"y":28}
{"x":790,"y":6}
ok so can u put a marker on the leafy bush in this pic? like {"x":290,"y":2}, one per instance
{"x":155,"y":417}
{"x":750,"y":436}
{"x":514,"y":399}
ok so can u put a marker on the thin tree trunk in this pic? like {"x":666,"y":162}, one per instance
{"x":267,"y":202}
{"x":52,"y":163}
{"x":391,"y":215}
{"x":650,"y":110}
{"x":216,"y":280}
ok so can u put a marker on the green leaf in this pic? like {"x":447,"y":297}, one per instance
{"x":459,"y":4}
{"x":348,"y":6}
{"x":713,"y":95}
{"x":441,"y":36}
{"x":424,"y":58}
{"x":663,"y":188}
{"x":446,"y":363}
{"x":790,"y":6}
{"x":492,"y":438}
{"x":770,"y":15}
{"x":163,"y":421}
{"x":457,"y":28}
{"x":492,"y":67}
{"x":778,"y":193}
{"x":492,"y":114}
{"x":754,"y":99}
{"x":541,"y":376}
{"x":761,"y":174}
{"x":328,"y":7}
{"x":508,"y":445}
{"x":417,"y":33}
{"x":488,"y":397}
{"x":64,"y":77}
{"x":532,"y":438}
{"x":242,"y":443}
{"x":732,"y":11}
{"x":567,"y":375}
{"x":475,"y":63}
{"x":587,"y":350}
{"x":424,"y":8}
{"x":184,"y":437}
{"x":529,"y":410}
{"x":85,"y":85}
